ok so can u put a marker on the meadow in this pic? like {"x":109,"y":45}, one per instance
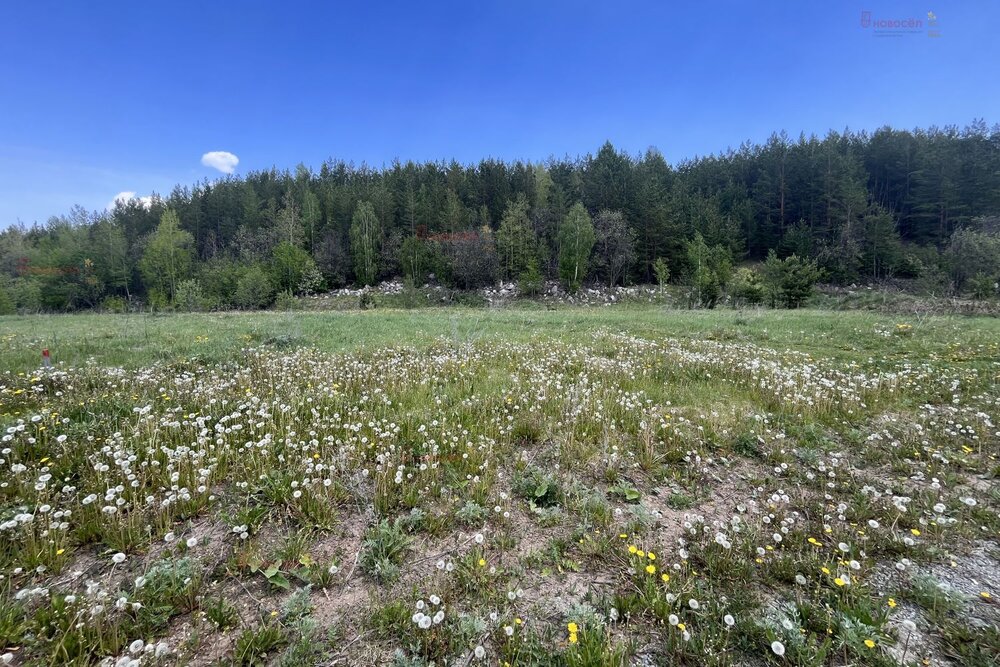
{"x":519,"y":486}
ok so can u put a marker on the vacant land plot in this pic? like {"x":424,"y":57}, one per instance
{"x":573,"y":487}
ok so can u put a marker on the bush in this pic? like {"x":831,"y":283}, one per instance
{"x":26,"y":293}
{"x":254,"y":290}
{"x":285,"y":301}
{"x":982,"y":286}
{"x":189,"y":297}
{"x":114,"y":304}
{"x":747,"y":287}
{"x":789,"y":281}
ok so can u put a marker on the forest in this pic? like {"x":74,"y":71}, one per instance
{"x":917,"y":207}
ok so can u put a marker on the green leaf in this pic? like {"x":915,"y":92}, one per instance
{"x":541,"y":490}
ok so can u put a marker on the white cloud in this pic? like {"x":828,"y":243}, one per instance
{"x":129,"y":195}
{"x":224,"y":161}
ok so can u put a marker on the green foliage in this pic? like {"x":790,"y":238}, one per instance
{"x":366,"y":238}
{"x":614,"y":251}
{"x":662,"y":272}
{"x":864,"y":206}
{"x":973,"y":254}
{"x":790,"y":281}
{"x":6,"y":303}
{"x":417,"y":258}
{"x":189,"y":296}
{"x":746,"y":287}
{"x":168,"y":256}
{"x":516,"y":242}
{"x":385,"y":544}
{"x":576,"y":240}
{"x":709,"y":270}
{"x":254,"y":644}
{"x":530,"y":281}
{"x":253,"y":289}
{"x":982,"y":286}
{"x":289,"y":266}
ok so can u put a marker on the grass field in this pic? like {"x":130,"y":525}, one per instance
{"x":603,"y":486}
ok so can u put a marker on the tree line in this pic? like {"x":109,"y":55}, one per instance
{"x":848,"y":207}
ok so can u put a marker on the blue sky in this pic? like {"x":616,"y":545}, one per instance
{"x":107,"y":97}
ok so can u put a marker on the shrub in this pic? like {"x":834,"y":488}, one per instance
{"x":789,"y":281}
{"x":114,"y":304}
{"x":253,"y":289}
{"x":747,"y":287}
{"x":982,"y":286}
{"x":189,"y":296}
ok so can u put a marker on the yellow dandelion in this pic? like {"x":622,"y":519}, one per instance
{"x":869,"y":643}
{"x":651,"y":569}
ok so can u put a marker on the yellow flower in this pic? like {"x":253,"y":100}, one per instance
{"x":482,"y":562}
{"x":632,"y":549}
{"x":681,"y":627}
{"x":651,"y":556}
{"x":640,"y":553}
{"x":651,"y":569}
{"x":665,"y":577}
{"x":573,"y":628}
{"x":59,"y":552}
{"x":572,"y":638}
{"x":985,"y":595}
{"x":839,"y":581}
{"x":813,"y":541}
{"x":825,"y":570}
{"x":518,"y":621}
{"x":43,"y":459}
{"x":622,"y":535}
{"x":869,"y":643}
{"x":915,"y":532}
{"x":892,"y":603}
{"x":273,"y":614}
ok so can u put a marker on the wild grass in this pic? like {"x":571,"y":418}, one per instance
{"x":569,"y":487}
